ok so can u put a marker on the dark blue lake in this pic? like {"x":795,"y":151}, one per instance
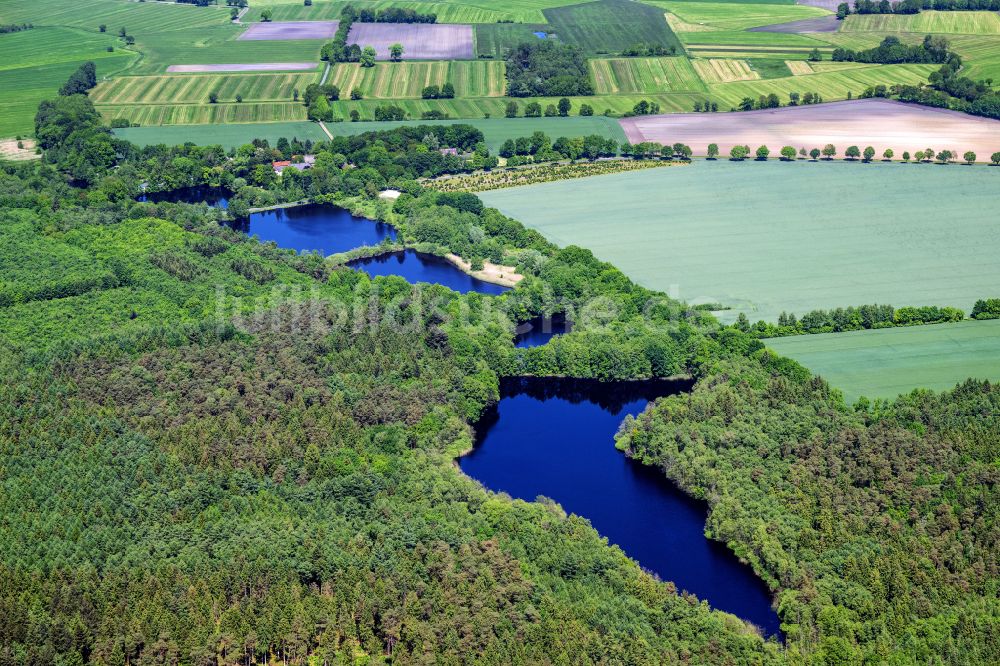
{"x":540,"y":330}
{"x":315,"y":228}
{"x":216,"y":197}
{"x":555,"y":438}
{"x":418,"y":267}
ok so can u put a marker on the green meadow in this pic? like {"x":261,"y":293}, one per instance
{"x":884,"y":363}
{"x":763,"y":238}
{"x":35,"y":63}
{"x":497,"y":130}
{"x":229,"y":135}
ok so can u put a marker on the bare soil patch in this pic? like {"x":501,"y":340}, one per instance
{"x":505,"y":276}
{"x":255,"y":67}
{"x":10,"y":151}
{"x":290,"y":30}
{"x":866,"y":122}
{"x":421,"y":41}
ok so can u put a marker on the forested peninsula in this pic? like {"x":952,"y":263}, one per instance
{"x":216,"y":451}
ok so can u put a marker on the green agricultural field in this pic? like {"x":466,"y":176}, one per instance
{"x":497,"y":130}
{"x":217,"y":45}
{"x":980,"y":56}
{"x":494,"y":107}
{"x":466,"y":110}
{"x":737,"y":16}
{"x":824,"y":235}
{"x":830,"y":85}
{"x":35,"y":63}
{"x":494,"y":40}
{"x":770,"y":68}
{"x":752,"y":40}
{"x":610,"y":26}
{"x":228,"y":136}
{"x":138,"y":18}
{"x":966,"y":23}
{"x":644,"y":75}
{"x":477,"y":78}
{"x":194,"y":114}
{"x":884,"y":363}
{"x":448,"y":11}
{"x":196,"y":88}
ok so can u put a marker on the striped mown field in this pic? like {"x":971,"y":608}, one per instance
{"x":724,"y":70}
{"x":195,"y":88}
{"x":830,"y":85}
{"x":35,"y":63}
{"x":980,"y":56}
{"x":799,"y":67}
{"x":737,"y":15}
{"x":475,"y":78}
{"x":448,"y":11}
{"x":884,"y":363}
{"x":139,"y":18}
{"x":644,"y":75}
{"x":960,"y":22}
{"x":192,"y":114}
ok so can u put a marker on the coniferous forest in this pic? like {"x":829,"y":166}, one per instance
{"x":216,"y":451}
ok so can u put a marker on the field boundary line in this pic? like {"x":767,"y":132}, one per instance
{"x":325,"y":130}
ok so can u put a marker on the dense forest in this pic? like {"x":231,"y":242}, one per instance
{"x":547,"y":69}
{"x":216,"y":451}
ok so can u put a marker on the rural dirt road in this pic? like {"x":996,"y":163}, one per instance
{"x":865,"y":122}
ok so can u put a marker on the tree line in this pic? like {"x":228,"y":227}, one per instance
{"x":839,"y":320}
{"x":914,"y":6}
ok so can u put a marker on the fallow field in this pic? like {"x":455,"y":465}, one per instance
{"x":878,"y":123}
{"x":884,"y":363}
{"x":763,"y":238}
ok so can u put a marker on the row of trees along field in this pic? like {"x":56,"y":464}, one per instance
{"x":863,"y":317}
{"x":190,"y":492}
{"x":914,"y":6}
{"x":852,"y":153}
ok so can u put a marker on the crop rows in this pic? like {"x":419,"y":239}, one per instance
{"x":830,"y":85}
{"x":967,"y":23}
{"x":137,"y":17}
{"x":610,"y":26}
{"x":644,"y":75}
{"x":980,"y":56}
{"x":737,"y":16}
{"x":187,"y":114}
{"x":724,"y":70}
{"x":447,"y":12}
{"x":799,"y":67}
{"x":196,"y":88}
{"x":408,"y":79}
